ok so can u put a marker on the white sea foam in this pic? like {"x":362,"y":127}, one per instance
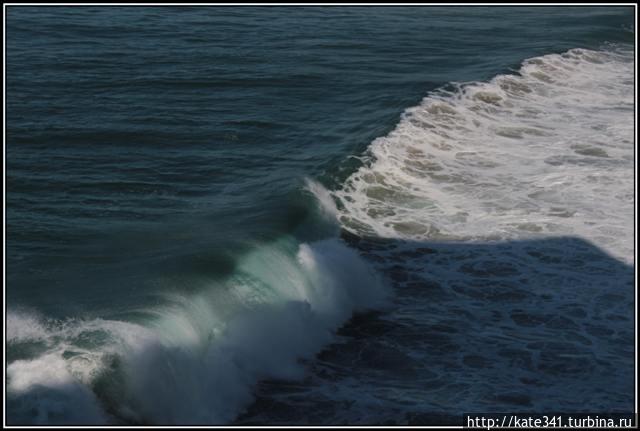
{"x":22,"y":325}
{"x":197,"y":360}
{"x":547,"y":151}
{"x":45,"y":390}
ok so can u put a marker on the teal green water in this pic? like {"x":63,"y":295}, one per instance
{"x":159,"y":214}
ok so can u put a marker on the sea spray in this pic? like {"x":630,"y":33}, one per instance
{"x":442,"y":173}
{"x":187,"y":365}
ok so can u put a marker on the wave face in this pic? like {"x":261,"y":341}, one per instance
{"x":545,"y":151}
{"x":195,"y":361}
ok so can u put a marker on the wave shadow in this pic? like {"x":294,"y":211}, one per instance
{"x":536,"y":326}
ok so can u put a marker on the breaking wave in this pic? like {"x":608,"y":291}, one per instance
{"x":545,"y":151}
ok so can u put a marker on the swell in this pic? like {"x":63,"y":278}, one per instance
{"x":494,"y":160}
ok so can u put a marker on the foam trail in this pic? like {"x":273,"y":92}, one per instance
{"x":545,"y":152}
{"x":197,"y":360}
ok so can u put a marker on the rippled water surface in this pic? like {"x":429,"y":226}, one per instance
{"x":318,"y":215}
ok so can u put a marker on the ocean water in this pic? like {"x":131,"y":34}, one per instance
{"x":319,"y":215}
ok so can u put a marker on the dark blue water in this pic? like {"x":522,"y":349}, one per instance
{"x":154,"y":153}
